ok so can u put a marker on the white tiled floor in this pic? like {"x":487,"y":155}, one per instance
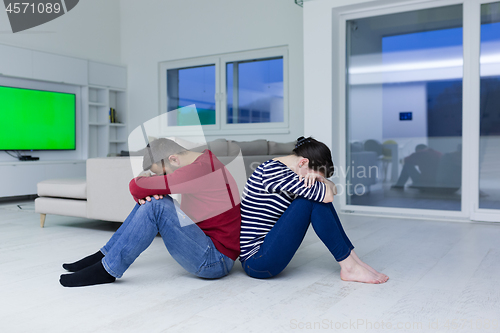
{"x":442,"y":273}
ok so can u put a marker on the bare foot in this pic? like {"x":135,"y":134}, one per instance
{"x":358,"y":273}
{"x":368,"y":267}
{"x":371,"y":269}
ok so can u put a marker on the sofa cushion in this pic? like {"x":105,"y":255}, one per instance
{"x":232,"y":148}
{"x":182,"y":142}
{"x":187,"y":143}
{"x":250,"y":163}
{"x":251,"y":148}
{"x":75,"y":188}
{"x":218,"y":147}
{"x":281,"y":148}
{"x":59,"y":206}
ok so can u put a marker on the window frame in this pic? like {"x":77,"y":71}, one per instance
{"x":221,"y":126}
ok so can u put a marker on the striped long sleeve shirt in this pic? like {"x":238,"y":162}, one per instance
{"x":267,"y":194}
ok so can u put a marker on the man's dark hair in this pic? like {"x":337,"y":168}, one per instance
{"x":158,"y":150}
{"x":318,"y":154}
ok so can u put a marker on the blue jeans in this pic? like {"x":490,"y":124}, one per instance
{"x":184,"y":240}
{"x":281,"y":243}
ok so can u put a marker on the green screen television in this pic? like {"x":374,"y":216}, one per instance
{"x":37,"y":120}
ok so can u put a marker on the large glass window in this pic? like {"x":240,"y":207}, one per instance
{"x":230,"y":92}
{"x":255,"y":91}
{"x":404,"y":109}
{"x":187,"y":86}
{"x":489,"y":144}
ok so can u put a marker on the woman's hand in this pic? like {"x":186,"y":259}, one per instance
{"x":148,"y":198}
{"x":311,"y":178}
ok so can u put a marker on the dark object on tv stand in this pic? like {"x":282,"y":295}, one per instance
{"x":132,"y":153}
{"x":28,"y":158}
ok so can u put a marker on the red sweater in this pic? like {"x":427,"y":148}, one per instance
{"x":210,"y":197}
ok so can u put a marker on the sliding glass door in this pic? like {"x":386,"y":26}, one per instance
{"x":489,"y":122}
{"x":404,"y":109}
{"x":422,"y":109}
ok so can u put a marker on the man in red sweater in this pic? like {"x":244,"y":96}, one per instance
{"x":202,"y":235}
{"x":427,"y":160}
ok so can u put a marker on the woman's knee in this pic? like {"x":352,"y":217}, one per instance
{"x":323,"y":205}
{"x":303,"y":202}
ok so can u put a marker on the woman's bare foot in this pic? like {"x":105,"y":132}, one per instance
{"x":351,"y":270}
{"x":365,"y":265}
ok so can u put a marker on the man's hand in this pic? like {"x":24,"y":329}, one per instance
{"x":148,"y":198}
{"x":311,"y":178}
{"x":146,"y":173}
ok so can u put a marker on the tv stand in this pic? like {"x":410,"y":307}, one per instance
{"x":22,"y":177}
{"x":28,"y":158}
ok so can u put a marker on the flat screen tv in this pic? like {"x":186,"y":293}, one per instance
{"x":37,"y":120}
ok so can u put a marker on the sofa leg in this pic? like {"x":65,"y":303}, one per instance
{"x":42,"y":220}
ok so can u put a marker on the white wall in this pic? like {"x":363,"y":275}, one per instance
{"x":159,"y":31}
{"x":91,"y":30}
{"x":322,"y":55}
{"x":366,"y":104}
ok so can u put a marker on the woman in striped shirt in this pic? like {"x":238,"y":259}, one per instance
{"x":280,"y":199}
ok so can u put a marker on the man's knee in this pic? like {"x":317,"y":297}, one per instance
{"x":161,"y":211}
{"x":165,"y":203}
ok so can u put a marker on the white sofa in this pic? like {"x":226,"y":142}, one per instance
{"x":104,"y":194}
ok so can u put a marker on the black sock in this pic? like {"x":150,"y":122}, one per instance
{"x":84,"y":263}
{"x":95,"y":274}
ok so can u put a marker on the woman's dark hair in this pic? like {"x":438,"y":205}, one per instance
{"x":318,"y":154}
